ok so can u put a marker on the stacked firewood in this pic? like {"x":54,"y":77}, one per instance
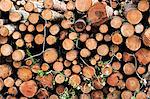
{"x":74,"y":49}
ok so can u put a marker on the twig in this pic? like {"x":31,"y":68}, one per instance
{"x":144,"y":80}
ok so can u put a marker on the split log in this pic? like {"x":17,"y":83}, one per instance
{"x":143,"y":56}
{"x":146,"y":37}
{"x":97,"y":14}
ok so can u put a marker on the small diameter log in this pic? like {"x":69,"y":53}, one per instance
{"x":103,"y":28}
{"x":117,"y":38}
{"x":99,"y":36}
{"x":67,"y":72}
{"x":18,"y":55}
{"x":39,"y":39}
{"x":12,"y":91}
{"x":5,"y":71}
{"x":146,"y":37}
{"x":71,"y":55}
{"x":127,"y":29}
{"x":70,"y":5}
{"x":5,"y":5}
{"x":97,"y":14}
{"x":53,"y":96}
{"x":141,"y":95}
{"x":68,"y":44}
{"x":17,"y":64}
{"x":24,"y":73}
{"x":129,"y":68}
{"x":83,"y":5}
{"x":132,"y":84}
{"x":66,"y":24}
{"x":6,"y":50}
{"x":73,"y":35}
{"x":33,"y":18}
{"x":22,"y":27}
{"x":54,"y":29}
{"x":9,"y":82}
{"x":85,"y":52}
{"x":1,"y":84}
{"x":35,"y":68}
{"x":76,"y":68}
{"x":143,"y":5}
{"x":29,"y":6}
{"x":149,"y":19}
{"x":16,"y":35}
{"x":68,"y":15}
{"x":19,"y":43}
{"x":133,"y":43}
{"x":51,"y":39}
{"x":60,"y":89}
{"x":48,"y":14}
{"x":143,"y":56}
{"x":40,"y":27}
{"x":74,"y":80}
{"x":88,"y":71}
{"x":91,"y":44}
{"x":3,"y":40}
{"x":107,"y":38}
{"x":134,"y":16}
{"x":58,"y":66}
{"x":116,"y":65}
{"x":80,"y":25}
{"x":126,"y":94}
{"x":15,"y":16}
{"x":139,"y":28}
{"x":141,"y":69}
{"x":83,"y":37}
{"x":67,"y":63}
{"x":31,"y":28}
{"x":97,"y":94}
{"x":103,"y":50}
{"x":59,"y":78}
{"x":28,"y":38}
{"x":28,"y":88}
{"x":116,"y":22}
{"x":4,"y":31}
{"x":50,"y":55}
{"x":18,"y":82}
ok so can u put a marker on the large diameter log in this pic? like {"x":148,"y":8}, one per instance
{"x":127,"y":29}
{"x":18,"y":55}
{"x":83,"y":5}
{"x":97,"y":14}
{"x":28,"y":88}
{"x":143,"y":56}
{"x":134,"y":16}
{"x":133,"y":43}
{"x":50,"y":55}
{"x":5,"y":71}
{"x":146,"y":37}
{"x":5,"y":5}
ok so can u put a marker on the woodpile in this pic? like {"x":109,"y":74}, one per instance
{"x":74,"y":49}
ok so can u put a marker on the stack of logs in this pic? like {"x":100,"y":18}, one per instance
{"x":74,"y":49}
